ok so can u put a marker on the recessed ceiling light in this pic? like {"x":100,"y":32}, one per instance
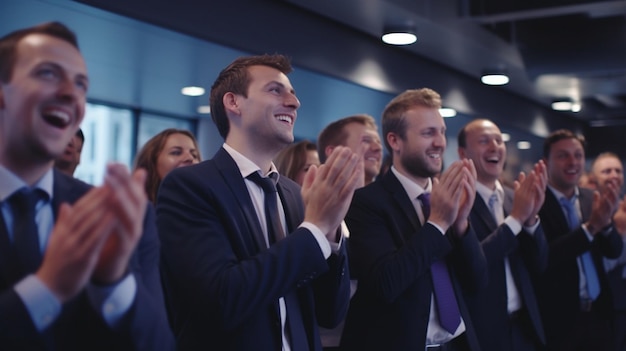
{"x":447,"y":112}
{"x":400,"y":35}
{"x":506,"y":137}
{"x":566,"y":104}
{"x":192,"y":91}
{"x":494,"y":78}
{"x":523,"y":145}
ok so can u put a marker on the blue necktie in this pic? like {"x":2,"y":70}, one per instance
{"x":493,"y":200}
{"x":593,"y":285}
{"x":447,"y":306}
{"x":295,"y":324}
{"x":25,"y":231}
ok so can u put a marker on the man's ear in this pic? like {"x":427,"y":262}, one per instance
{"x":461,"y":151}
{"x":329,"y":150}
{"x":393,"y":140}
{"x":231,"y":103}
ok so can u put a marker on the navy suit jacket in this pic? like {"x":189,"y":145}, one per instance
{"x":79,"y":327}
{"x":528,"y":257}
{"x":391,"y":253}
{"x":558,"y":290}
{"x":222,"y":282}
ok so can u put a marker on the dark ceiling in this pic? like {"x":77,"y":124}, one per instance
{"x":552,"y":49}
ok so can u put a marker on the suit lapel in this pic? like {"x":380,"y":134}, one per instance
{"x":485,"y":216}
{"x":288,"y":198}
{"x":232,"y":177}
{"x":393,"y":186}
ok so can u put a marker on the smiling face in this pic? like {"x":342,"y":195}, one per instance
{"x":179,"y":151}
{"x":43,"y":104}
{"x":608,"y":168}
{"x":363,"y":137}
{"x":484,"y":146}
{"x":419,"y":153}
{"x":264,"y":120}
{"x":565,"y":164}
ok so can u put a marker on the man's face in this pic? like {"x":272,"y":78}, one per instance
{"x":608,"y":168}
{"x":484,"y":146}
{"x":422,"y":148}
{"x":269,"y":111}
{"x":71,"y":154}
{"x":363,"y":137}
{"x":565,"y":164}
{"x":44,"y":103}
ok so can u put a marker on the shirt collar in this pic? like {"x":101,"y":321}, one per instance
{"x":485,"y":193}
{"x":413,"y":190}
{"x":11,"y":183}
{"x":559,"y":194}
{"x":245,"y":165}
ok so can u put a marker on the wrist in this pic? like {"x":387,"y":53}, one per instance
{"x":531,"y":221}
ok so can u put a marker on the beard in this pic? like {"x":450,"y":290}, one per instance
{"x":419,"y":166}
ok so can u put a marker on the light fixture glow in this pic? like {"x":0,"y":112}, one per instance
{"x":494,"y":78}
{"x":204,"y":109}
{"x":192,"y":91}
{"x":447,"y":112}
{"x":562,"y":105}
{"x":576,"y":107}
{"x":506,"y":137}
{"x":523,"y":145}
{"x":399,"y":35}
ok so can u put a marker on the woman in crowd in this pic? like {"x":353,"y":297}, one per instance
{"x":167,"y":150}
{"x":294,"y":161}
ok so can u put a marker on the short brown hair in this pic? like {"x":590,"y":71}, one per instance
{"x":291,"y":159}
{"x":9,"y":42}
{"x":393,"y":115}
{"x":235,"y":78}
{"x":335,"y":134}
{"x":557,"y":136}
{"x":148,"y":156}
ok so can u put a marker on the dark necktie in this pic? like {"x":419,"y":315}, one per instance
{"x":25,"y":230}
{"x":297,"y":333}
{"x":593,"y":285}
{"x":447,"y":306}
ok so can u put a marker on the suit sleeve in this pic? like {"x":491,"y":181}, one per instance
{"x":16,"y":326}
{"x":146,"y":323}
{"x":385,"y":257}
{"x":469,"y":261}
{"x":332,"y":290}
{"x":212,"y":272}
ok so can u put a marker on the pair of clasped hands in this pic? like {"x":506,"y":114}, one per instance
{"x":94,"y":238}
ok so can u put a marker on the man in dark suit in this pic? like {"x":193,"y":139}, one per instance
{"x":505,"y":313}
{"x":231,"y":281}
{"x":607,"y":167}
{"x":411,"y":264}
{"x":96,"y":286}
{"x":574,"y":296}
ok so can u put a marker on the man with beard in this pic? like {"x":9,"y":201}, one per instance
{"x":505,"y":313}
{"x":573,"y":294}
{"x":411,"y":246}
